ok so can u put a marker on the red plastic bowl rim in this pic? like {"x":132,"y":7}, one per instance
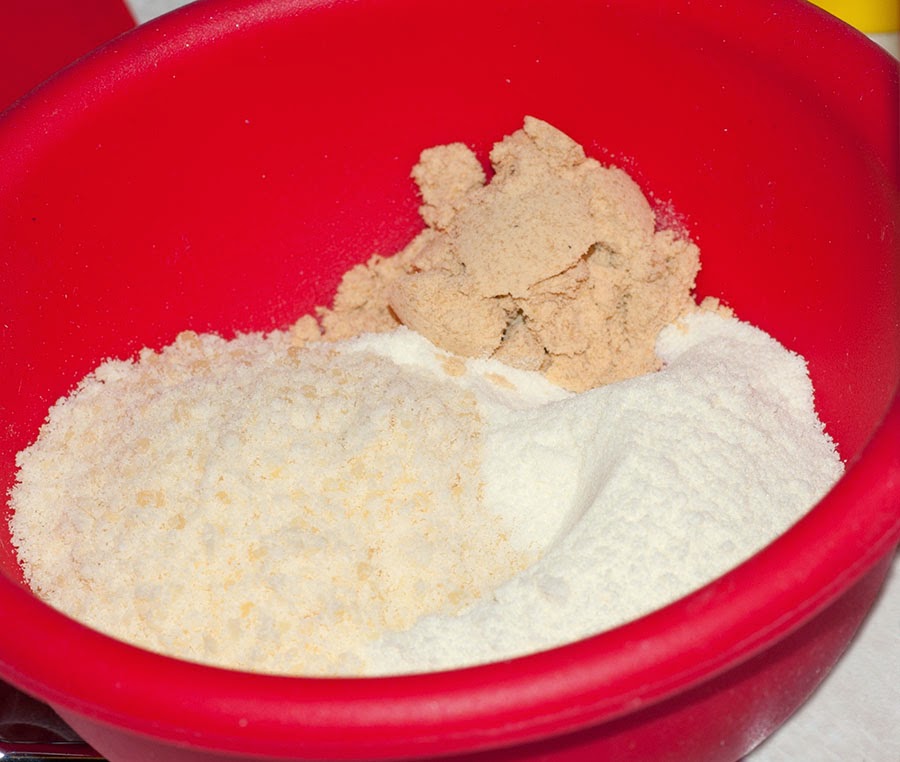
{"x":559,"y":690}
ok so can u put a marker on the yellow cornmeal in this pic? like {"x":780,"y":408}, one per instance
{"x":257,"y":505}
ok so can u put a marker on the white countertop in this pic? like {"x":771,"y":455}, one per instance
{"x":854,"y":716}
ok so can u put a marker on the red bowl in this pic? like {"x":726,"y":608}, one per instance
{"x":220,"y":168}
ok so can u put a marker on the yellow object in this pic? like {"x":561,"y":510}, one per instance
{"x":871,"y":16}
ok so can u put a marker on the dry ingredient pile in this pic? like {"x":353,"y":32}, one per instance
{"x":518,"y":431}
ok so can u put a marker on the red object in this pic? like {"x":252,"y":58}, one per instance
{"x":218,"y":169}
{"x":39,"y":37}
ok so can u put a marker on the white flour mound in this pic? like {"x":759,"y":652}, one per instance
{"x":636,"y":493}
{"x":378,"y":506}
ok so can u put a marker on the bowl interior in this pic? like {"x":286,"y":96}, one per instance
{"x":220,"y":171}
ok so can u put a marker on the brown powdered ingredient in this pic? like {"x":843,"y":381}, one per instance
{"x":555,"y":265}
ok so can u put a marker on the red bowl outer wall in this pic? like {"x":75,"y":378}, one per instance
{"x":139,"y":188}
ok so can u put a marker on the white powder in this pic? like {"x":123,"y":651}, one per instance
{"x":636,"y":493}
{"x":370,"y":506}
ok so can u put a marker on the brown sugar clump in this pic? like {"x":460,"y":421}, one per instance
{"x":555,"y":265}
